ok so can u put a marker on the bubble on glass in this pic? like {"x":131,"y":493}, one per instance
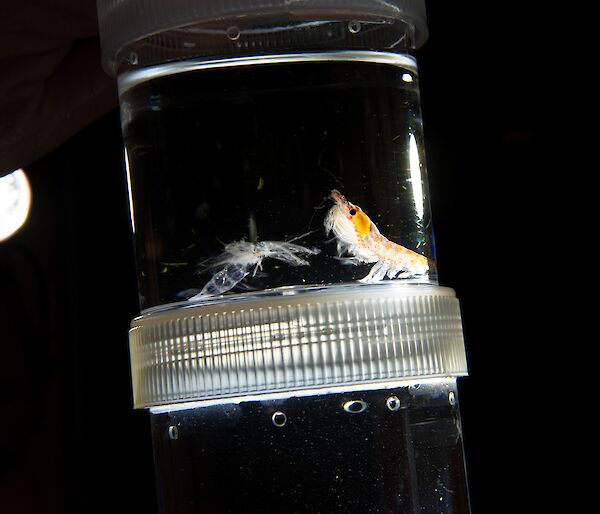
{"x":354,"y":26}
{"x":133,"y":58}
{"x":452,"y":398}
{"x":407,"y":77}
{"x":233,"y":33}
{"x":355,"y":406}
{"x":173,"y":432}
{"x":393,"y":403}
{"x":279,"y":419}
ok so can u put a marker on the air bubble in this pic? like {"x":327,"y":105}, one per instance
{"x":355,"y":406}
{"x":393,"y":403}
{"x":279,"y":419}
{"x":452,"y":398}
{"x":133,"y":58}
{"x":354,"y":27}
{"x":233,"y":33}
{"x":173,"y":432}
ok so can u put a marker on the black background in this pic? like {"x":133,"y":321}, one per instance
{"x":69,"y":438}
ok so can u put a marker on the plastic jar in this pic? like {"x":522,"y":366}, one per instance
{"x":294,"y":347}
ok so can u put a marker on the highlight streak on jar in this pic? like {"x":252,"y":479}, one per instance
{"x":360,"y":238}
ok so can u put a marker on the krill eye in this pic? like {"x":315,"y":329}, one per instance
{"x":352,"y":212}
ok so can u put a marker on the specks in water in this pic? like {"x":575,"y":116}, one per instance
{"x":174,"y":264}
{"x":202,"y":211}
{"x":154,"y":103}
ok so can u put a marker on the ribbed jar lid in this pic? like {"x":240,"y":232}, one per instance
{"x":122,"y":22}
{"x":283,"y":343}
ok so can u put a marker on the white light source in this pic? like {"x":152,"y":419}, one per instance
{"x":15,"y":200}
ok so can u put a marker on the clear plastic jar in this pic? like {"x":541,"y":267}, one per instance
{"x":280,"y":208}
{"x":391,"y":450}
{"x":245,"y":175}
{"x":268,"y":153}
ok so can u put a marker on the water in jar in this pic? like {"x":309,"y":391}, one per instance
{"x":381,"y":450}
{"x":253,"y":176}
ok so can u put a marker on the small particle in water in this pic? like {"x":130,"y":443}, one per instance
{"x":233,"y":33}
{"x":279,"y":419}
{"x":261,"y":184}
{"x":154,"y":103}
{"x":355,"y":406}
{"x":407,"y":77}
{"x":187,"y":249}
{"x":393,"y":403}
{"x":202,"y":211}
{"x":451,"y":398}
{"x":354,"y":27}
{"x":173,"y":432}
{"x":174,"y":264}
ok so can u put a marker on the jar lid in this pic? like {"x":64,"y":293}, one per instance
{"x":304,"y":341}
{"x":122,"y":22}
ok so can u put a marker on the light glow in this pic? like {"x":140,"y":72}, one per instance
{"x":129,"y":191}
{"x":15,"y":200}
{"x":415,"y":176}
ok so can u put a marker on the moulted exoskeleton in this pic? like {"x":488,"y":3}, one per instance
{"x":242,"y":258}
